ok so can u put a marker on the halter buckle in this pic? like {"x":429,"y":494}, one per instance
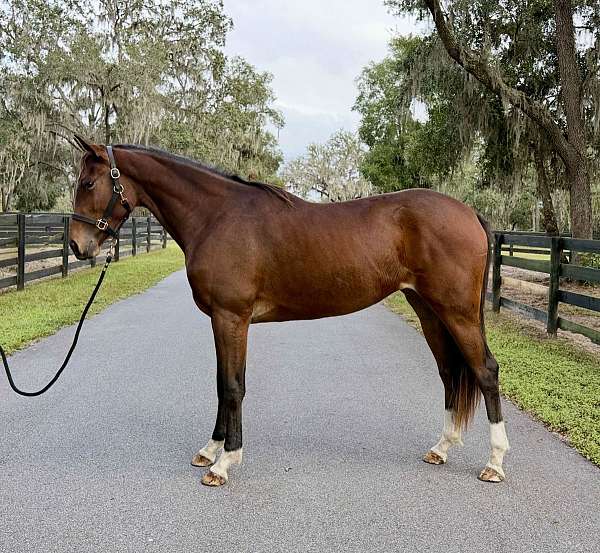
{"x":102,"y":224}
{"x":115,"y":173}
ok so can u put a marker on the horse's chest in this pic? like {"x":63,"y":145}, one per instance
{"x":203,"y":306}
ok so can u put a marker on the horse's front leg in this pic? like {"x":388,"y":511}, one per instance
{"x":231,"y":335}
{"x":208,"y":454}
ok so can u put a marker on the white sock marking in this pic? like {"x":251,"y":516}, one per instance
{"x":227,"y":458}
{"x":211,"y":449}
{"x":451,"y":435}
{"x":499,"y":445}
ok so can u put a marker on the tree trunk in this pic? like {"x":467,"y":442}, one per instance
{"x":105,"y":116}
{"x":570,"y":81}
{"x":106,"y":124}
{"x":543,"y":191}
{"x":6,"y":197}
{"x":580,"y":195}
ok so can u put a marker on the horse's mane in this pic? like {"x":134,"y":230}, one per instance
{"x":280,"y":193}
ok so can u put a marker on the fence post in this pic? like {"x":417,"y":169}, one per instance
{"x":21,"y":251}
{"x":554,"y":285}
{"x":65,"y":248}
{"x":496,"y":278}
{"x":133,"y":236}
{"x":117,"y":246}
{"x":148,"y":234}
{"x":164,"y":237}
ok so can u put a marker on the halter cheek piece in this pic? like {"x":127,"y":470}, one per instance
{"x":118,"y":194}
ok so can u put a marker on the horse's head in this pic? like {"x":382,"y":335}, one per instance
{"x":93,"y":197}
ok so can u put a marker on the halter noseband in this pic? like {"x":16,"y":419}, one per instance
{"x":118,"y":193}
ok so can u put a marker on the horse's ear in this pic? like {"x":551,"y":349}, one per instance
{"x":85,"y":146}
{"x":82,"y":144}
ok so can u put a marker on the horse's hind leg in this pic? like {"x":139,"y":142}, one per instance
{"x":450,"y":362}
{"x":470,"y":338}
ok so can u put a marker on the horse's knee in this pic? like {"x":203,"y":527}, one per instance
{"x":487,"y":375}
{"x":233,"y":394}
{"x":491,"y":364}
{"x":487,"y":380}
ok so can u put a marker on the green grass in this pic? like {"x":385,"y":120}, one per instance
{"x":540,"y":256}
{"x":44,"y":307}
{"x":552,"y":379}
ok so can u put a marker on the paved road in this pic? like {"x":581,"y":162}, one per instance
{"x":337,"y":416}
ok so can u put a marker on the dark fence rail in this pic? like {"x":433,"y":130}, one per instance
{"x":27,"y":238}
{"x":558,"y":251}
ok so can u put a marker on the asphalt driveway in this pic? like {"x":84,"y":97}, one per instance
{"x":337,"y":416}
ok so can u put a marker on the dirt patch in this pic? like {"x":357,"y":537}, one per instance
{"x":35,"y":265}
{"x":531,"y":288}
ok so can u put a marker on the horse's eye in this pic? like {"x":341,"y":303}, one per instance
{"x":89,"y":185}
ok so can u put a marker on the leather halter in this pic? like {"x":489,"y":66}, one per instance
{"x":118,"y":193}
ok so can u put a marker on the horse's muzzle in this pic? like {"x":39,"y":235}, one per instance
{"x":81,"y":255}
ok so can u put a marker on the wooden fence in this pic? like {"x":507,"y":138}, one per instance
{"x":559,"y":250}
{"x":27,"y":238}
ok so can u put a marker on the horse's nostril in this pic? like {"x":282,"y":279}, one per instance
{"x":75,"y":248}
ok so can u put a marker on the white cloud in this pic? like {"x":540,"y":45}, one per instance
{"x":315,"y":51}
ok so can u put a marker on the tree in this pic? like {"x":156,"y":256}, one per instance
{"x":387,"y":127}
{"x":503,"y":44}
{"x":125,"y":71}
{"x":330,"y":169}
{"x":29,"y":31}
{"x":459,"y":125}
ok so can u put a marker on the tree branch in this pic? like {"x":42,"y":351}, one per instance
{"x":491,"y":78}
{"x":51,"y":166}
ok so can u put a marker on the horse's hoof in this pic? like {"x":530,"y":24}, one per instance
{"x":488,"y":474}
{"x":213,"y":480}
{"x":433,"y":458}
{"x":201,"y":461}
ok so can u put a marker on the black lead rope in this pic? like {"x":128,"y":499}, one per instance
{"x":102,"y":224}
{"x":71,"y":350}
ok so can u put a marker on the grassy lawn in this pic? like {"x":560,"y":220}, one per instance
{"x":550,"y":378}
{"x":44,"y":307}
{"x":540,"y":256}
{"x":526,"y":255}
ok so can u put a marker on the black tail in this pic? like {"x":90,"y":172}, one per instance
{"x":465,"y":389}
{"x":465,"y":393}
{"x":488,"y":233}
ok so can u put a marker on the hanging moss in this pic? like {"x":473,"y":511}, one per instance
{"x":141,"y":72}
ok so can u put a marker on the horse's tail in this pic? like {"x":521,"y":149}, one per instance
{"x":486,"y":273}
{"x":465,"y":390}
{"x":465,"y":394}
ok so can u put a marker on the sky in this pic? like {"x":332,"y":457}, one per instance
{"x":315,"y":50}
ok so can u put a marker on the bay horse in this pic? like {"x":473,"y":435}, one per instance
{"x":255,"y":253}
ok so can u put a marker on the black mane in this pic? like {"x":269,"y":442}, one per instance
{"x":279,"y":192}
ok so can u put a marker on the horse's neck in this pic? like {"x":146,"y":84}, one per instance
{"x":182,"y":198}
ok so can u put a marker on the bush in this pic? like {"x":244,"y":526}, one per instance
{"x":590,"y":260}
